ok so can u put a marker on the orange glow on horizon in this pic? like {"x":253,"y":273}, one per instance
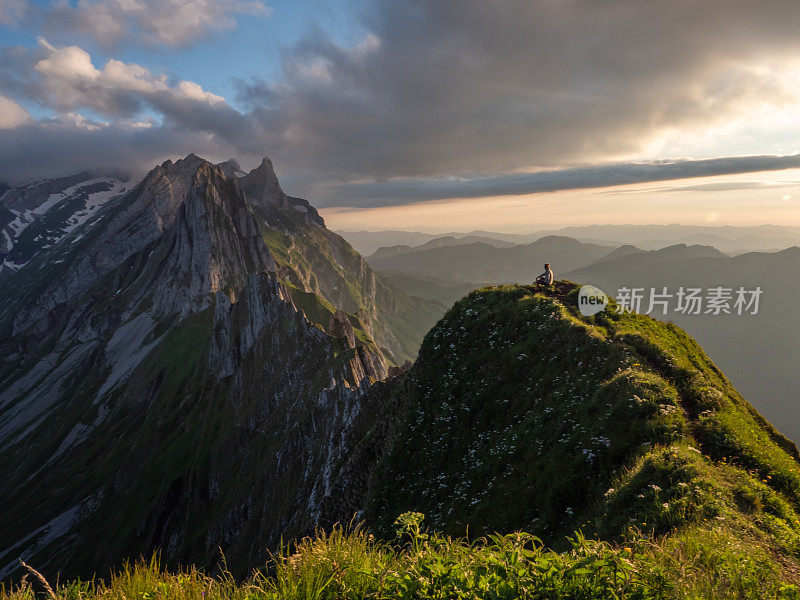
{"x":762,"y":198}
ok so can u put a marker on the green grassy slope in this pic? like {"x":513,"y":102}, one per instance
{"x":314,"y":260}
{"x":525,"y":415}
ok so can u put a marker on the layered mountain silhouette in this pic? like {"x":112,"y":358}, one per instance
{"x":486,"y":263}
{"x":445,"y":241}
{"x":728,"y":239}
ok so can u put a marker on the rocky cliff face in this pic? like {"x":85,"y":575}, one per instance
{"x":161,"y":387}
{"x":324,"y":274}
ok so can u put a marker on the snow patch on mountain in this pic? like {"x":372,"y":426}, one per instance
{"x":38,"y":217}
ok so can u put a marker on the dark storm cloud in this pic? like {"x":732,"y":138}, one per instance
{"x":471,"y":87}
{"x":70,"y":145}
{"x":467,"y":89}
{"x":416,"y":190}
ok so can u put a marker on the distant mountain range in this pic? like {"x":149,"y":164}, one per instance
{"x":485,"y":263}
{"x":440,"y":242}
{"x":727,"y":239}
{"x":37,"y":215}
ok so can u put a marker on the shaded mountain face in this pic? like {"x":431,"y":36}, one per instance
{"x":181,"y":373}
{"x":521,"y":414}
{"x":323,"y":273}
{"x":484,"y":263}
{"x":759,"y":352}
{"x":37,"y":215}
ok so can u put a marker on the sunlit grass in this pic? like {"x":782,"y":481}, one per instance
{"x":350,"y":563}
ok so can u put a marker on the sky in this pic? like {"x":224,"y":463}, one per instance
{"x":449,"y":114}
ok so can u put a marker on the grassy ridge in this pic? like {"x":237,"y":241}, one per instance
{"x":527,"y":415}
{"x":521,"y":414}
{"x":348,"y":564}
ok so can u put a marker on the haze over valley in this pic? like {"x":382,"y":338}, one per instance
{"x":759,"y":352}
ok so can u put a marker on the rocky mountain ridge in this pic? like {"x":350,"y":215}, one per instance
{"x":161,"y":374}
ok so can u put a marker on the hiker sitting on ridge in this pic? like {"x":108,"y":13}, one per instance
{"x":545,"y":278}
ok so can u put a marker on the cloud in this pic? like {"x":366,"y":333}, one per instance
{"x":64,"y":78}
{"x":449,"y":98}
{"x":12,"y":114}
{"x":73,"y":143}
{"x":12,"y":11}
{"x":733,"y":186}
{"x":129,"y":107}
{"x":172,"y":23}
{"x":516,"y":184}
{"x":470,"y":87}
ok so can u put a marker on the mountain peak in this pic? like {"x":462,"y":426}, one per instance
{"x":191,"y":160}
{"x":186,"y":166}
{"x":230,"y":167}
{"x":689,"y":251}
{"x":265,"y":170}
{"x":261,"y":186}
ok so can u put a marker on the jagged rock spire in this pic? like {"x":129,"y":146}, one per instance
{"x":261,"y":186}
